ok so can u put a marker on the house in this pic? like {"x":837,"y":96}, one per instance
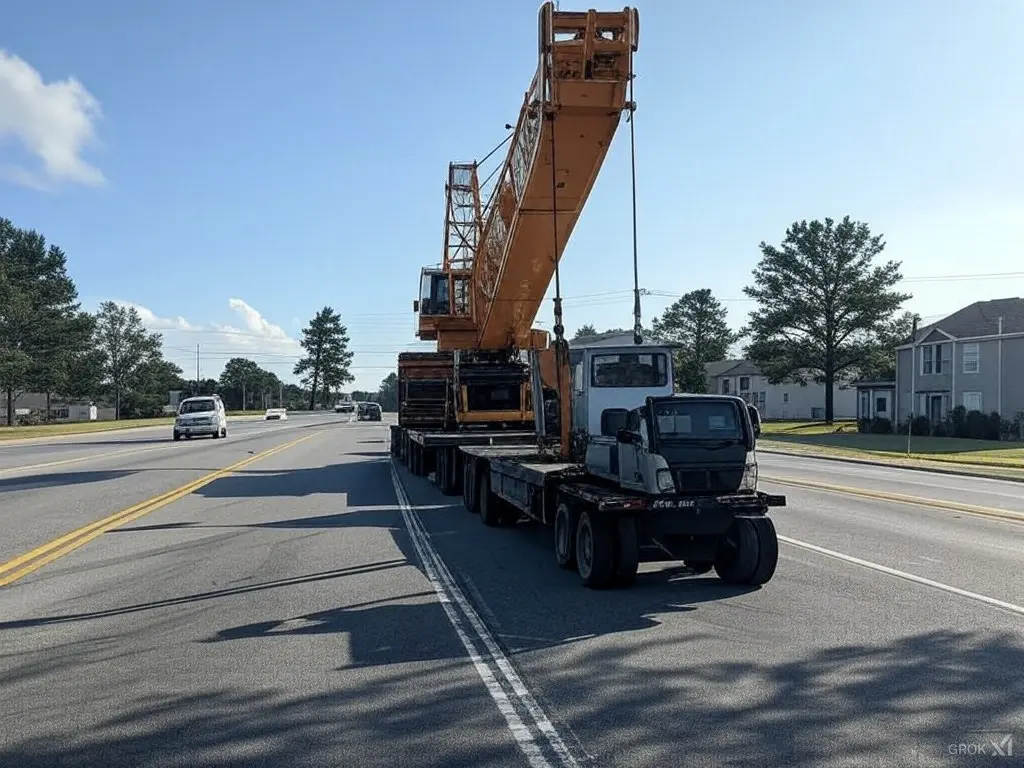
{"x":973,"y":358}
{"x":788,"y":400}
{"x":875,"y":399}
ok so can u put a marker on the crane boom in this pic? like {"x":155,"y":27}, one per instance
{"x":499,"y":258}
{"x":566,"y":124}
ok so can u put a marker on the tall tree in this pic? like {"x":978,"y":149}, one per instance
{"x":127,"y":346}
{"x":387,"y":396}
{"x":585,"y":330}
{"x":697,"y":323}
{"x":824,"y":306}
{"x":39,"y":311}
{"x":325,"y":367}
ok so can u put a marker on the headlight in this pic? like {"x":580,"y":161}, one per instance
{"x":665,"y":484}
{"x":749,"y":481}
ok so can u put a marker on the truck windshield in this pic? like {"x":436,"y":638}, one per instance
{"x":697,"y":420}
{"x":630,"y":370}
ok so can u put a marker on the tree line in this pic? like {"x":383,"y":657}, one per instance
{"x":827,"y":310}
{"x":49,"y":344}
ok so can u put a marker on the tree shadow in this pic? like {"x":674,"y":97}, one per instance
{"x":56,"y":479}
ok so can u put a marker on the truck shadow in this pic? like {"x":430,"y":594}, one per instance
{"x":57,"y":479}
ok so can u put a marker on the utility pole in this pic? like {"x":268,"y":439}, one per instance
{"x":280,"y":397}
{"x":197,"y":369}
{"x":913,"y":381}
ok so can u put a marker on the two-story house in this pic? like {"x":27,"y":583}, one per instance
{"x":788,"y":400}
{"x":973,"y":358}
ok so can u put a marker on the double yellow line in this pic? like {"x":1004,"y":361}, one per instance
{"x":901,"y":498}
{"x":32,"y":561}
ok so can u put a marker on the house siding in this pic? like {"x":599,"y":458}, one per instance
{"x":790,"y":401}
{"x":955,"y":382}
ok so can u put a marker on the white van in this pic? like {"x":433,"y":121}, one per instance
{"x":202,"y":415}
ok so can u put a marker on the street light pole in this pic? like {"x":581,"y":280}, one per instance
{"x":913,"y":381}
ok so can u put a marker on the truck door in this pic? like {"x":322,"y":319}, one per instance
{"x":629,"y":453}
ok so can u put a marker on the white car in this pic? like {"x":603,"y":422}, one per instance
{"x":202,"y":415}
{"x":276,"y":414}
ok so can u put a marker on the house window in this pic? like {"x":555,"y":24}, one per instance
{"x":725,"y":386}
{"x":744,"y":383}
{"x":926,"y":360}
{"x":759,"y":400}
{"x":785,"y":397}
{"x":972,"y":358}
{"x":972,"y":401}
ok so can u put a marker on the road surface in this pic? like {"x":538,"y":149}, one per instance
{"x":315,"y":607}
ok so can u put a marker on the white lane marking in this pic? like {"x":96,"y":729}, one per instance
{"x":450,"y":595}
{"x":908,"y":576}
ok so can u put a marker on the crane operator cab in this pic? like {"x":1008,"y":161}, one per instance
{"x":434,"y":293}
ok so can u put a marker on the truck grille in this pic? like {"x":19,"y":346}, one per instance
{"x":708,"y":480}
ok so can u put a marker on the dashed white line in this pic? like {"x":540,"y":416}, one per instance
{"x":492,"y":659}
{"x":1018,"y":609}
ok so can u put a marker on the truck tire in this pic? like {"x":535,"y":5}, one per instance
{"x":565,"y":539}
{"x":595,"y":551}
{"x":737,"y":556}
{"x":627,"y":551}
{"x":767,"y":551}
{"x":446,"y":471}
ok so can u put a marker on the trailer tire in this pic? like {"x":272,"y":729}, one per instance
{"x":469,"y":488}
{"x":767,"y":551}
{"x":565,"y":539}
{"x":737,"y":558}
{"x":627,"y":551}
{"x":490,"y":505}
{"x":595,"y":551}
{"x":446,"y":471}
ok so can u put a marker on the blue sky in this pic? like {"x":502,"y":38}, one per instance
{"x":253,"y":161}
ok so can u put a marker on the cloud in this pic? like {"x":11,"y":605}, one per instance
{"x":53,"y":121}
{"x":253,"y":337}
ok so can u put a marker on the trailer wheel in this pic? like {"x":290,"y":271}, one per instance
{"x":738,"y":554}
{"x":627,"y":551}
{"x":767,"y":551}
{"x":469,"y":487}
{"x":595,"y":551}
{"x":493,"y":509}
{"x":446,"y":471}
{"x":565,"y":541}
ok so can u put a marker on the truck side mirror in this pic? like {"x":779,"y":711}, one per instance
{"x":755,"y":420}
{"x":416,"y":305}
{"x":625,"y":436}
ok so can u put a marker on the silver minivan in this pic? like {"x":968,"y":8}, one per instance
{"x":201,"y":415}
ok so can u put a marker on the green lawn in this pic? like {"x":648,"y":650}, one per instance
{"x":841,"y":438}
{"x":86,"y":427}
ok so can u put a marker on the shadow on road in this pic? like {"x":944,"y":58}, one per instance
{"x":56,"y":479}
{"x":896,"y":704}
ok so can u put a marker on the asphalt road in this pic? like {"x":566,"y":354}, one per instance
{"x":315,"y":607}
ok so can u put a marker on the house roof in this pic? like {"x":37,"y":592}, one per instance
{"x":614,"y":339}
{"x":731,"y":368}
{"x":979,"y":319}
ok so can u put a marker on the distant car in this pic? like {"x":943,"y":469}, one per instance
{"x":203,"y":415}
{"x":368,"y":412}
{"x":345,"y":407}
{"x":276,"y":414}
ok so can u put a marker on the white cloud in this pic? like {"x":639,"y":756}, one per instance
{"x":53,"y":121}
{"x":254,"y":337}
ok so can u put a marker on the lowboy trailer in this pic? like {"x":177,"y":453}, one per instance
{"x":663,"y":476}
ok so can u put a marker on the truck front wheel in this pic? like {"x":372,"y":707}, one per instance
{"x":595,"y":551}
{"x":749,"y":552}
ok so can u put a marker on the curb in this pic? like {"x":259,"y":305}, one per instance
{"x":957,"y":471}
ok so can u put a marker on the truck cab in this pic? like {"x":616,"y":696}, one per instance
{"x":685,"y":444}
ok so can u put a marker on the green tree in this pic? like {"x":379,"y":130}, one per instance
{"x":824,"y":306}
{"x":127,"y":348}
{"x":696,"y":322}
{"x":39,"y":312}
{"x":154,"y":380}
{"x":239,"y":380}
{"x":325,"y":367}
{"x":585,"y":330}
{"x":388,"y":393}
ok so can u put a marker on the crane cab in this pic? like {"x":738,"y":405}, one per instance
{"x":444,"y":307}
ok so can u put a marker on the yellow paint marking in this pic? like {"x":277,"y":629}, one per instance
{"x":32,"y":561}
{"x":901,"y":498}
